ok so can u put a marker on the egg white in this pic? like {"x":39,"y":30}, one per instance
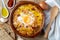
{"x":30,"y":17}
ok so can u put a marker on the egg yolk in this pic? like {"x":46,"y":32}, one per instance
{"x":26,"y":19}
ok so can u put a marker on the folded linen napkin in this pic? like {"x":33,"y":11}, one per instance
{"x":54,"y":33}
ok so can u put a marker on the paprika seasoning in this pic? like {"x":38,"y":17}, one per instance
{"x":10,"y":3}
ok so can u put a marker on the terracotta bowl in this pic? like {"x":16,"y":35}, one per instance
{"x":22,"y":3}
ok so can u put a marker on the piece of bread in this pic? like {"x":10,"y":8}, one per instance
{"x":9,"y":30}
{"x":4,"y":35}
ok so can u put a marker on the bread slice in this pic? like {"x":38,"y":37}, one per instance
{"x":4,"y":35}
{"x":9,"y":30}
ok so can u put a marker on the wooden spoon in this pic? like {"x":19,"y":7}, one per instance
{"x":54,"y":13}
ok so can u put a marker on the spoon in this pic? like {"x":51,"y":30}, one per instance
{"x":4,"y":13}
{"x":54,"y":13}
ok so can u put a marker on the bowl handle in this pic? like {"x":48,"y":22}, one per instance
{"x":43,"y":5}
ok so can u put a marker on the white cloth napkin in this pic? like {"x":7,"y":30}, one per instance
{"x":54,"y":33}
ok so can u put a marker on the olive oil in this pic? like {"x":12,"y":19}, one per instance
{"x":5,"y":12}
